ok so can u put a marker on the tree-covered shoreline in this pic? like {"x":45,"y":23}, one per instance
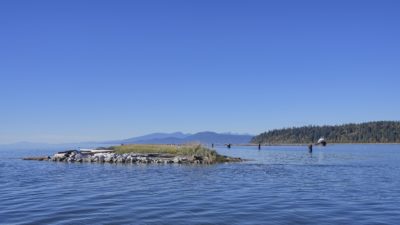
{"x":370,"y":132}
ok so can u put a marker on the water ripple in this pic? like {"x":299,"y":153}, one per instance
{"x":337,"y":185}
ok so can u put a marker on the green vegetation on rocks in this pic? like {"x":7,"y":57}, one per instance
{"x":178,"y":150}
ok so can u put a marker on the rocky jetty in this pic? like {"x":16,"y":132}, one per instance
{"x":132,"y":158}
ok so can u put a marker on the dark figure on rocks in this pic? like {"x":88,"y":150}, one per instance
{"x":212,"y":145}
{"x":310,"y":148}
{"x":228,"y":145}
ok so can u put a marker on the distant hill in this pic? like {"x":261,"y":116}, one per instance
{"x":202,"y":137}
{"x":371,"y":132}
{"x":155,"y":136}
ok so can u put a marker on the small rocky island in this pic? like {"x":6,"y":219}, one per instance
{"x":142,"y":154}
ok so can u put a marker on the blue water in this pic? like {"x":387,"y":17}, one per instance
{"x":339,"y":184}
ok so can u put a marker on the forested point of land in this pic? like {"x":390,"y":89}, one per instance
{"x":371,"y":132}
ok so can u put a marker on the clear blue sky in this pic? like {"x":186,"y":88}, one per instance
{"x":99,"y":70}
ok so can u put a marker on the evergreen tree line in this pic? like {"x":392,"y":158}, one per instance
{"x":371,"y":132}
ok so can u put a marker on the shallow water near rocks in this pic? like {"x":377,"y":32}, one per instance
{"x":339,"y":184}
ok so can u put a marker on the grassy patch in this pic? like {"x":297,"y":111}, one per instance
{"x":181,"y":150}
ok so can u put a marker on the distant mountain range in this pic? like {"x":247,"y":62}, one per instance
{"x":180,"y":138}
{"x":371,"y":132}
{"x":155,"y":138}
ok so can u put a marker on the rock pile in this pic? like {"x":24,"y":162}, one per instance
{"x":128,"y":158}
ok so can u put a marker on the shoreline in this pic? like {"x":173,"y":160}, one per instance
{"x":301,"y":144}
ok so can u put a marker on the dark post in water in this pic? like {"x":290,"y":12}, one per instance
{"x":310,"y":148}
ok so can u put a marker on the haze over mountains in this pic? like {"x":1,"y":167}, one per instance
{"x":206,"y":137}
{"x":154,"y":138}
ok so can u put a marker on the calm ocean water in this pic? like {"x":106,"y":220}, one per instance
{"x":339,"y":184}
